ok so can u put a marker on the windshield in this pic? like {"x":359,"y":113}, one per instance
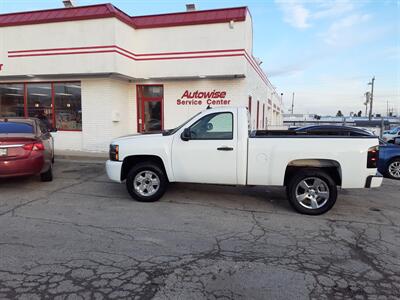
{"x":394,"y":131}
{"x":15,"y":127}
{"x":172,"y":131}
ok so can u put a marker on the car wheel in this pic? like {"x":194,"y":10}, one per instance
{"x":146,"y":182}
{"x":312,"y":192}
{"x":48,"y":175}
{"x":393,"y":169}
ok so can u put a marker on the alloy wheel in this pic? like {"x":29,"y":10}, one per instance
{"x":394,"y":169}
{"x":312,"y":193}
{"x":146,"y":183}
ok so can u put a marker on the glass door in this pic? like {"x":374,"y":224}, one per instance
{"x":150,"y":107}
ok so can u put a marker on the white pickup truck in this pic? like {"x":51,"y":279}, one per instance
{"x":217,"y":147}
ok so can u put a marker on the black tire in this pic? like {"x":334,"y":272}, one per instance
{"x":140,"y":169}
{"x":48,"y":175}
{"x":322,"y":202}
{"x":393,"y":161}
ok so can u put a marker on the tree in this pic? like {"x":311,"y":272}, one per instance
{"x":339,"y":114}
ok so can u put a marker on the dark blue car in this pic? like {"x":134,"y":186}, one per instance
{"x":389,"y":153}
{"x":389,"y":160}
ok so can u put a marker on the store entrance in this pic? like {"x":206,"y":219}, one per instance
{"x":150,"y":107}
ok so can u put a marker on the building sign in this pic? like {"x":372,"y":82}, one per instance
{"x":197,"y":97}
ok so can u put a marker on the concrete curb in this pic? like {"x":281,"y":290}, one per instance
{"x":79,"y":159}
{"x":81,"y":156}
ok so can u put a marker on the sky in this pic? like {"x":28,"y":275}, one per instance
{"x":326,"y":52}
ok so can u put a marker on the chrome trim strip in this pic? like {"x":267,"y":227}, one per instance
{"x":11,"y":146}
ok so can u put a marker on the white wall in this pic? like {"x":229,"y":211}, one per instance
{"x":175,"y":114}
{"x":101,"y":100}
{"x":68,"y":140}
{"x":261,"y":91}
{"x":110,"y":31}
{"x":57,"y":35}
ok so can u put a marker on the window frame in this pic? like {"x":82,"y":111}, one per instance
{"x":53,"y":95}
{"x":22,"y":94}
{"x":214,"y":139}
{"x":140,"y":103}
{"x":25,"y":88}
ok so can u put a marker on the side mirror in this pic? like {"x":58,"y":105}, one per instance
{"x":185,"y":136}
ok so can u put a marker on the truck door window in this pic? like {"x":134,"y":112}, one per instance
{"x":218,"y":126}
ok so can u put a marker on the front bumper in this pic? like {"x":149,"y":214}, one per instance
{"x":374,"y":181}
{"x":113,"y":169}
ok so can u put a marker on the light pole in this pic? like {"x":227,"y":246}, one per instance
{"x":293,"y":103}
{"x":366,"y":103}
{"x":371,"y":97}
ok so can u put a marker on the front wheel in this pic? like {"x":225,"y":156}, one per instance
{"x":393,"y":169}
{"x":312,"y":192}
{"x":146,"y":182}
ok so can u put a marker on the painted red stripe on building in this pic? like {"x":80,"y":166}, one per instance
{"x":60,"y":53}
{"x":61,"y":49}
{"x":131,"y":55}
{"x":124,"y":54}
{"x":122,"y":49}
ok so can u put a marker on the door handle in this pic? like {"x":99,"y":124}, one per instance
{"x":224,"y":148}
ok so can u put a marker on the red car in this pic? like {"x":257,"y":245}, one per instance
{"x":26,"y":148}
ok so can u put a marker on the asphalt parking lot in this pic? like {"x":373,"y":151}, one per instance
{"x":82,"y":237}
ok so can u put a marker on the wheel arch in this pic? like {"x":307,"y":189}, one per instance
{"x":132,"y":160}
{"x":332,"y":167}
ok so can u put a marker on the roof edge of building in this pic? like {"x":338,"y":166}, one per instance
{"x":165,"y":19}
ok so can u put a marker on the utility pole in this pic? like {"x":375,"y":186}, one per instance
{"x":366,"y":103}
{"x":387,"y":108}
{"x":372,"y":97}
{"x":293,"y":103}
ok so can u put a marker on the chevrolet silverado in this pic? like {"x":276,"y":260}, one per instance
{"x":217,"y":146}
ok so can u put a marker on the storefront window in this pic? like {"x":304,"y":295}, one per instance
{"x":11,"y":100}
{"x":56,"y":104}
{"x":39,"y":102}
{"x":67,"y":103}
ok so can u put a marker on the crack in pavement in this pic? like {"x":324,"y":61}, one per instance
{"x":180,"y":250}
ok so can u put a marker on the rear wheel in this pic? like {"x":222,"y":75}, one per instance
{"x":393,"y":169}
{"x":312,"y":192}
{"x":48,"y":175}
{"x":146,"y":182}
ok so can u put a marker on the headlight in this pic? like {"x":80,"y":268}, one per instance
{"x":114,"y":152}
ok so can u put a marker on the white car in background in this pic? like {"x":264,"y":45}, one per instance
{"x":395,"y":132}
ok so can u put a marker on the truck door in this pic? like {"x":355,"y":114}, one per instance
{"x":208,"y":153}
